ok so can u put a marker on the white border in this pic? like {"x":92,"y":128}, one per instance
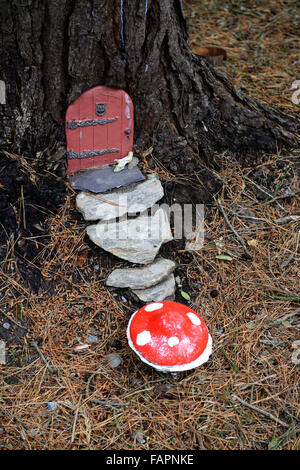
{"x":176,"y":368}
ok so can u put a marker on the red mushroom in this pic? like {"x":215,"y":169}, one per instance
{"x":169,"y":336}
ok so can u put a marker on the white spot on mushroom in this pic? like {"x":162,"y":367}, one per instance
{"x":194,"y":318}
{"x":173,"y":341}
{"x":152,"y":307}
{"x":143,"y":338}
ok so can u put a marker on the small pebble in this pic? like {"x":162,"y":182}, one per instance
{"x":51,"y":406}
{"x":114,"y":359}
{"x":92,"y":339}
{"x":6,"y":326}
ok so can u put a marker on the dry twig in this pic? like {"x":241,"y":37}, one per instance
{"x":240,"y":239}
{"x":262,"y":412}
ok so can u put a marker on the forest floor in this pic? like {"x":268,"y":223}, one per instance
{"x":60,"y":390}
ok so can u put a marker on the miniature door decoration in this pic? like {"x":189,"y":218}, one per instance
{"x":99,"y":128}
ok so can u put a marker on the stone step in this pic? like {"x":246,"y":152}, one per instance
{"x":141,"y":278}
{"x":129,"y":199}
{"x":136,"y":240}
{"x":101,"y":179}
{"x":163,"y":290}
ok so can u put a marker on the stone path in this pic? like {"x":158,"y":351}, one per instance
{"x":125,"y":229}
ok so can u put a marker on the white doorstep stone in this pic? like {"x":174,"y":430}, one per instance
{"x":129,"y":199}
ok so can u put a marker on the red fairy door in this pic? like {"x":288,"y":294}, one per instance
{"x":99,"y":128}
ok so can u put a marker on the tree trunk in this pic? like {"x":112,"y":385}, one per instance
{"x":53,"y":50}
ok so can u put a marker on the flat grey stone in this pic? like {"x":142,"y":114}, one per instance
{"x":129,"y":199}
{"x":159,"y":292}
{"x":136,"y":240}
{"x":142,"y":278}
{"x":92,"y":339}
{"x":101,"y":179}
{"x":114,"y":359}
{"x":51,"y":406}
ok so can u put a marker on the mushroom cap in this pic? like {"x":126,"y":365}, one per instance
{"x":169,"y":336}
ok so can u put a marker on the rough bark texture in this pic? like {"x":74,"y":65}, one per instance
{"x":52,"y":50}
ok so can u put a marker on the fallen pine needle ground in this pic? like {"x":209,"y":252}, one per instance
{"x":59,"y":388}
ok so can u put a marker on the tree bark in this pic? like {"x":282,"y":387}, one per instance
{"x":53,"y":50}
